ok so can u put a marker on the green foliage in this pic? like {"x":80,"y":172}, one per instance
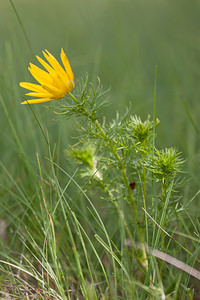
{"x":142,"y":132}
{"x":84,"y":156}
{"x":89,"y":102}
{"x":166,"y":164}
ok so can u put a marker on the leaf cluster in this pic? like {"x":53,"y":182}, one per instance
{"x":165,"y":164}
{"x":89,"y":101}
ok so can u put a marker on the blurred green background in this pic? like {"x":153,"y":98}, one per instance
{"x":121,"y":41}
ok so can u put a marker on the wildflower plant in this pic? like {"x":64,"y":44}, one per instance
{"x":124,"y":146}
{"x":119,"y":163}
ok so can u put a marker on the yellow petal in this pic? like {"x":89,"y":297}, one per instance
{"x":34,"y":101}
{"x":43,"y":95}
{"x":47,"y":67}
{"x":56,"y":78}
{"x":56,"y":66}
{"x":66,"y":65}
{"x":54,"y":90}
{"x":58,"y":82}
{"x":40,"y":75}
{"x":32,"y":87}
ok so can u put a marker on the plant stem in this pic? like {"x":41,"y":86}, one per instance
{"x":144,"y":193}
{"x":163,"y":223}
{"x":154,"y":133}
{"x":122,"y":169}
{"x":72,"y":97}
{"x":144,"y":183}
{"x":22,"y":27}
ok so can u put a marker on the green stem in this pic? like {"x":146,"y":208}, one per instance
{"x":13,"y":129}
{"x":38,"y":122}
{"x":72,"y":97}
{"x":163,"y":223}
{"x":154,"y":133}
{"x":145,"y":197}
{"x":22,"y":27}
{"x":144,"y":184}
{"x":122,"y":169}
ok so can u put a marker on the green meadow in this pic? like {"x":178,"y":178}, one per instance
{"x":99,"y":191}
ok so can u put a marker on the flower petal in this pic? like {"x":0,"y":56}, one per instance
{"x":56,"y":66}
{"x":40,"y":75}
{"x":66,"y":65}
{"x":54,"y":90}
{"x":43,"y":95}
{"x":60,"y":82}
{"x":45,"y":65}
{"x":34,"y":101}
{"x":32,"y":87}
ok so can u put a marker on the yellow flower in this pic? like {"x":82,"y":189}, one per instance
{"x":54,"y":84}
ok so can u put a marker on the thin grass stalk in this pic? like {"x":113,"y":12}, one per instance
{"x":163,"y":216}
{"x":154,"y":135}
{"x":71,"y":212}
{"x":14,"y":132}
{"x":79,"y":228}
{"x":93,"y":207}
{"x":22,"y":27}
{"x":50,"y":229}
{"x":74,"y":249}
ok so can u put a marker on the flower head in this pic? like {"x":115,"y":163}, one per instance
{"x":55,"y":82}
{"x":166,"y":164}
{"x":141,"y":131}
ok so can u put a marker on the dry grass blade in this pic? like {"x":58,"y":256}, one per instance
{"x":175,"y":262}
